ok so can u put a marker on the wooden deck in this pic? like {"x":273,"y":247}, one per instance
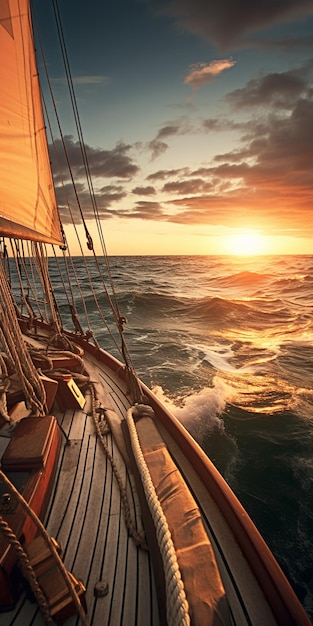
{"x":87,"y":519}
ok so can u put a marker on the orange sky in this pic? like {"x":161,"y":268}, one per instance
{"x":198,"y":124}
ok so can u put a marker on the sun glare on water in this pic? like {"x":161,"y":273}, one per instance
{"x":245,"y":242}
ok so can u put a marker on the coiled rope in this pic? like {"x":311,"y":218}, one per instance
{"x":177,"y":609}
{"x":27,"y":570}
{"x":138,"y":537}
{"x":62,"y":569}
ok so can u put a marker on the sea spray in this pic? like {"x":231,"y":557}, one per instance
{"x":200,"y":410}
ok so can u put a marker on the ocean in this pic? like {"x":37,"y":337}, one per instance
{"x":227,"y":343}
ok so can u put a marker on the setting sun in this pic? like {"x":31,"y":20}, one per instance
{"x":245,"y":242}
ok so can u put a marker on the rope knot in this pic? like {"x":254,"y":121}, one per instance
{"x":142,"y":410}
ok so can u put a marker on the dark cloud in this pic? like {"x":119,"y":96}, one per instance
{"x":259,"y":206}
{"x":278,"y":89}
{"x":168,"y":130}
{"x":219,"y":125}
{"x":229,"y":24}
{"x":290,"y":44}
{"x":287,"y":145}
{"x":191,"y":186}
{"x":179,"y":127}
{"x":156,"y":148}
{"x":268,"y":177}
{"x":115,"y":163}
{"x":144,"y":191}
{"x":104,"y":198}
{"x":146,"y":211}
{"x":164,"y":174}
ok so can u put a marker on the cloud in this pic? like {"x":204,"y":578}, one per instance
{"x":112,"y":164}
{"x":146,"y":211}
{"x":144,"y":191}
{"x":278,"y":89}
{"x":157,"y":146}
{"x":219,"y":125}
{"x":203,"y":73}
{"x":267,"y":178}
{"x":191,"y":186}
{"x":115,"y":163}
{"x":168,"y":130}
{"x":104,"y":197}
{"x":286,"y":44}
{"x":163,"y":174}
{"x":229,"y":24}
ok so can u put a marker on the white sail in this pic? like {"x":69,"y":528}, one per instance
{"x":28,"y":207}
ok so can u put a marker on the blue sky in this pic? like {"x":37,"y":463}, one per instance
{"x":198,"y":120}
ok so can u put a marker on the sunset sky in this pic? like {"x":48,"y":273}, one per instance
{"x":198,"y":121}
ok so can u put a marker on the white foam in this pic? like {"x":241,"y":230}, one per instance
{"x":220,"y":357}
{"x":204,"y":406}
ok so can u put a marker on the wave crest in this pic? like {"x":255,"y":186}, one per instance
{"x":201,"y":409}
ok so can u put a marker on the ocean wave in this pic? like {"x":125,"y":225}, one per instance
{"x":201,"y":409}
{"x":227,"y":344}
{"x":243,"y":278}
{"x":204,"y":314}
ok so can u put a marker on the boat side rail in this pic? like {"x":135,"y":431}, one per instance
{"x":274,"y":584}
{"x":185,"y":547}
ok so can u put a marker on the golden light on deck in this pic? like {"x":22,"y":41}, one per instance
{"x":245,"y":242}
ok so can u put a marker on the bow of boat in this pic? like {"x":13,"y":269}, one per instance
{"x":91,"y":492}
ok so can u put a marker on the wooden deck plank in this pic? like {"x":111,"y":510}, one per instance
{"x":24,"y":614}
{"x":93,"y":524}
{"x":66,"y":501}
{"x":65,"y":419}
{"x":64,"y":484}
{"x":87,"y":514}
{"x":113,"y":570}
{"x":136,"y":609}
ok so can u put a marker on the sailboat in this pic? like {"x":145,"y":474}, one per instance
{"x":110,"y":513}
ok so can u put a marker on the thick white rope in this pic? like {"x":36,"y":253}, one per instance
{"x":177,"y":609}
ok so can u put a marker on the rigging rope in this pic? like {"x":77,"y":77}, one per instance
{"x":20,"y":263}
{"x":176,"y":601}
{"x":15,"y":348}
{"x":112,"y":299}
{"x":41,"y":261}
{"x":4,"y":385}
{"x":27,"y":570}
{"x":47,"y":539}
{"x":28,"y":276}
